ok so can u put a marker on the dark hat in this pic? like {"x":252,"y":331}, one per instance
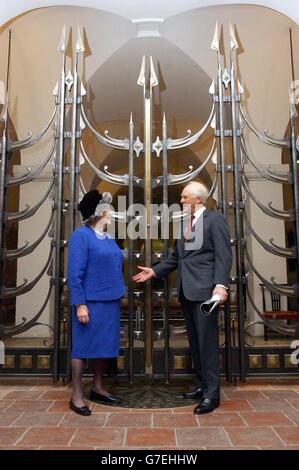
{"x":88,"y":203}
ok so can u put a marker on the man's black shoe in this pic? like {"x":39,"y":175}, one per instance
{"x":195,"y":394}
{"x":98,"y":398}
{"x":207,"y":405}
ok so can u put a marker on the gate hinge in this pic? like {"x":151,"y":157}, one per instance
{"x":229,"y":168}
{"x":226,"y":99}
{"x":230,"y":205}
{"x":233,"y":241}
{"x":70,"y":100}
{"x":67,"y":170}
{"x":228,"y":133}
{"x":234,"y":280}
{"x":68,"y":134}
{"x":63,"y":243}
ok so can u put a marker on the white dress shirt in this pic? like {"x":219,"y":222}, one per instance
{"x":197,"y":214}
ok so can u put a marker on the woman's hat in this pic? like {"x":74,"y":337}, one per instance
{"x":88,"y":203}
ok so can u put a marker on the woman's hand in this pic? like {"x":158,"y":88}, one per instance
{"x":82,"y":313}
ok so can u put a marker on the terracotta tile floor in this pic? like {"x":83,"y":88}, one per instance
{"x":261,"y":414}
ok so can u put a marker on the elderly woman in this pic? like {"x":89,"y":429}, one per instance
{"x":96,"y":286}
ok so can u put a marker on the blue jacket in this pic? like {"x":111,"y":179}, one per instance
{"x":94,"y":267}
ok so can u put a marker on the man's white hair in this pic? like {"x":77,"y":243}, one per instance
{"x":198,"y":190}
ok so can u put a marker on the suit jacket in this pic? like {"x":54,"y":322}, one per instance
{"x":94,"y":268}
{"x":199,"y":270}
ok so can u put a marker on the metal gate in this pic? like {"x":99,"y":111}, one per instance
{"x":153,"y":333}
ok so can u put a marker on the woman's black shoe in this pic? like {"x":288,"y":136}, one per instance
{"x":109,"y":400}
{"x":80,"y":410}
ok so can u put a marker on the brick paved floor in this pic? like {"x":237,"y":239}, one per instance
{"x":262,"y":414}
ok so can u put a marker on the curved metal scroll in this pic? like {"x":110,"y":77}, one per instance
{"x":24,"y":288}
{"x":21,"y":328}
{"x":213,"y":187}
{"x":190,"y":175}
{"x":26,"y":249}
{"x":29,"y":211}
{"x":278,"y":288}
{"x":82,"y":187}
{"x":122,"y":144}
{"x":264,"y":137}
{"x":29,"y":175}
{"x":268,"y":174}
{"x":272,"y":324}
{"x":272,"y":248}
{"x":107,"y":176}
{"x":30,"y":140}
{"x":272,"y":212}
{"x":190,"y":139}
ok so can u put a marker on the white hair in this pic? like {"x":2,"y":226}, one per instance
{"x":198,"y":190}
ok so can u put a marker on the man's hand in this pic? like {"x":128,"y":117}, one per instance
{"x":145,"y":275}
{"x":221,"y":292}
{"x":82,"y":314}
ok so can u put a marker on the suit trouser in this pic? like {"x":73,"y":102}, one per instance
{"x":203,"y":336}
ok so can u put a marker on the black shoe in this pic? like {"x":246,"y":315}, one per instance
{"x":80,"y":410}
{"x":98,"y":398}
{"x":195,"y":394}
{"x":207,"y":405}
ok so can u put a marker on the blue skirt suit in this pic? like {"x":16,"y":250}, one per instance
{"x":95,"y":279}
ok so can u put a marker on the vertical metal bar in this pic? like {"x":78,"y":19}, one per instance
{"x":165,"y":237}
{"x":131,"y":254}
{"x":295,"y":191}
{"x":238,"y":231}
{"x":3,"y":196}
{"x":228,"y":348}
{"x":223,"y":175}
{"x":72,"y":192}
{"x":222,"y":141}
{"x":58,"y":226}
{"x":292,"y":55}
{"x":294,"y":169}
{"x":73,"y":157}
{"x":148,"y":240}
{"x":228,"y":339}
{"x":3,"y":180}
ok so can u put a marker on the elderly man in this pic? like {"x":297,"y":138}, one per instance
{"x":203,"y":258}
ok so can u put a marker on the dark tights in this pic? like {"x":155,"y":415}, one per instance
{"x":77,"y":372}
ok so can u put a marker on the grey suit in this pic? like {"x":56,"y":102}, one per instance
{"x":199,"y":270}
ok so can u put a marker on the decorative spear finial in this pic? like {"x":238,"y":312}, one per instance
{"x":233,"y":40}
{"x":153,"y":78}
{"x":2,"y":92}
{"x":82,"y":91}
{"x":212,"y":89}
{"x":79,"y":43}
{"x":240,"y":88}
{"x":141,"y":78}
{"x":216,"y":39}
{"x":63,"y":40}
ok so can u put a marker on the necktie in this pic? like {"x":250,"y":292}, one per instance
{"x":188,"y":230}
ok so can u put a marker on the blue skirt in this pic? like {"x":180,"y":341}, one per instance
{"x":100,"y":338}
